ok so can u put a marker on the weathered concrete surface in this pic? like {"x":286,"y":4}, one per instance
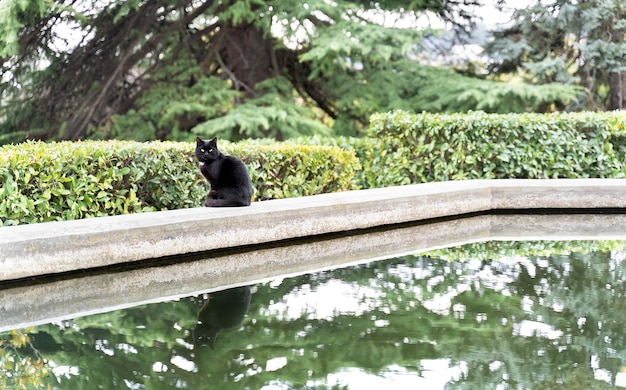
{"x":561,"y":193}
{"x":57,"y":247}
{"x":65,"y":299}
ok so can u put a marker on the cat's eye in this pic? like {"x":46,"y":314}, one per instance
{"x":202,"y":150}
{"x":210,"y":150}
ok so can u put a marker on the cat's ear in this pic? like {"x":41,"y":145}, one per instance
{"x":198,"y":140}
{"x":214,"y":139}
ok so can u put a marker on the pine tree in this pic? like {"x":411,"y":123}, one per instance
{"x":145,"y":69}
{"x":570,"y":42}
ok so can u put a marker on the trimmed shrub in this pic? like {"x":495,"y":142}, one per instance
{"x":283,"y":170}
{"x":70,"y":180}
{"x":360,"y":146}
{"x":415,"y":148}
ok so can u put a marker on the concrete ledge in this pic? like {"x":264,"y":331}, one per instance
{"x":56,"y":247}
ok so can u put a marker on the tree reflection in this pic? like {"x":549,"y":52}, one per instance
{"x":504,"y":321}
{"x":21,"y":365}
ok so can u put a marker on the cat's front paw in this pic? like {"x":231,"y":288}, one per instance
{"x":210,"y":198}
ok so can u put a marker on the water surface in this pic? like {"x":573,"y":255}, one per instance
{"x":493,"y":315}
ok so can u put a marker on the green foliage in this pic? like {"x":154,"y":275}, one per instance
{"x":170,"y":106}
{"x":578,"y":43}
{"x":60,"y":181}
{"x":433,"y":147}
{"x":168,"y":69}
{"x":21,"y":365}
{"x":287,"y":170}
{"x":360,"y":146}
{"x":406,"y":85}
{"x":273,"y":114}
{"x":15,"y":15}
{"x":349,"y":46}
{"x":444,"y":90}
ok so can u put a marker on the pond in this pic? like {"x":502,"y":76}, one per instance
{"x":500,"y":315}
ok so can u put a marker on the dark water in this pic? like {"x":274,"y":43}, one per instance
{"x":512,"y":321}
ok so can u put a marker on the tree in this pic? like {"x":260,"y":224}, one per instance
{"x":142,"y":69}
{"x":570,"y":42}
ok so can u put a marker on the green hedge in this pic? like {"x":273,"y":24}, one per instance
{"x":361,"y":147}
{"x":285,"y":170}
{"x":415,"y":148}
{"x":58,"y":181}
{"x":70,"y":180}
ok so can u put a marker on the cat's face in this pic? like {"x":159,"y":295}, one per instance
{"x":204,"y":335}
{"x":206,"y":150}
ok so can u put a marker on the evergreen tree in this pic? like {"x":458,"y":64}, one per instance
{"x":140,"y":69}
{"x":570,"y":42}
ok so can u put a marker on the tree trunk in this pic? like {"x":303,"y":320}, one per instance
{"x":248,"y":58}
{"x":617,"y":80}
{"x":617,"y":91}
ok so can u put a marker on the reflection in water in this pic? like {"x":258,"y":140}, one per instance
{"x":222,"y":310}
{"x":499,"y":318}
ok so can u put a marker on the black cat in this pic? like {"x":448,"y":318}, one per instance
{"x":228,"y":176}
{"x":223,"y":310}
